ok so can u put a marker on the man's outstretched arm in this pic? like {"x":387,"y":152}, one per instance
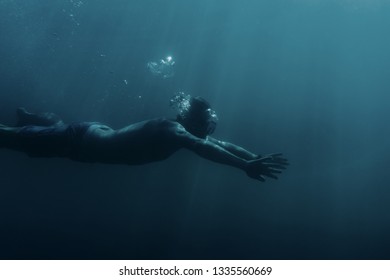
{"x":254,"y":168}
{"x":234,"y":149}
{"x":245,"y":154}
{"x":216,"y":153}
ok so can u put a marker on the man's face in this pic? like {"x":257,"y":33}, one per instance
{"x":204,"y":124}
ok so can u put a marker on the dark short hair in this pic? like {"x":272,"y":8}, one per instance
{"x":198,"y":107}
{"x":198,"y":118}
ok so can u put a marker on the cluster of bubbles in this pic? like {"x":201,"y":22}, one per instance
{"x":76,"y":3}
{"x":72,"y":10}
{"x":181,"y":103}
{"x":162,"y":68}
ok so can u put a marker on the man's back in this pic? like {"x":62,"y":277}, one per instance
{"x":139,"y":143}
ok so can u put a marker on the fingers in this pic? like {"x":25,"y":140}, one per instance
{"x":281,"y":161}
{"x":268,"y":166}
{"x":261,"y":178}
{"x":274,"y":155}
{"x":271,"y":176}
{"x":271,"y":173}
{"x":275,"y":171}
{"x":275,"y":160}
{"x":274,"y":166}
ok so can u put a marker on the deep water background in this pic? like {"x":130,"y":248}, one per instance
{"x":309,"y":78}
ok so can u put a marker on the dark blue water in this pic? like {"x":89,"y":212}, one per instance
{"x":303,"y":77}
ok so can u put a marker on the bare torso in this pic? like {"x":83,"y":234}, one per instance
{"x":138,"y":143}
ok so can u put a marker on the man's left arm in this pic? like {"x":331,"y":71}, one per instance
{"x":234,"y":149}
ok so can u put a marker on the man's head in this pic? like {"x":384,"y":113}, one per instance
{"x":197,"y":117}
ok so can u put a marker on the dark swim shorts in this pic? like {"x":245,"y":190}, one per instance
{"x":53,"y":141}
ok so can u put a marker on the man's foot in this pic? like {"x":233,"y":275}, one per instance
{"x":43,"y":119}
{"x":5,"y":132}
{"x":23,"y":116}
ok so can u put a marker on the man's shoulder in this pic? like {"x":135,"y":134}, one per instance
{"x":167,"y":125}
{"x":175,"y":132}
{"x":164,"y":122}
{"x":175,"y":129}
{"x":174,"y":126}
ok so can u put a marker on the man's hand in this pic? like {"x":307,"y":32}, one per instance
{"x":266,"y":166}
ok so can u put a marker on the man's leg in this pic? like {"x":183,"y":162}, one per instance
{"x":43,"y":119}
{"x":37,"y":141}
{"x":31,"y":128}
